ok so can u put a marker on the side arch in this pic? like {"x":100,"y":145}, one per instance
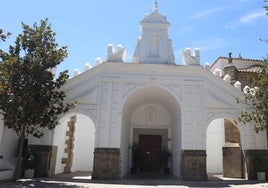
{"x":75,"y":140}
{"x":231,"y":117}
{"x":224,"y":146}
{"x":78,"y":110}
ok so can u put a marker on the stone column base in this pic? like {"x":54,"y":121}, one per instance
{"x":106,"y":163}
{"x":194,"y":165}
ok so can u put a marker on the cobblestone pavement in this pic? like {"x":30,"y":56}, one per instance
{"x":126,"y":183}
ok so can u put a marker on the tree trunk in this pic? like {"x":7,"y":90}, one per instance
{"x":19,"y":163}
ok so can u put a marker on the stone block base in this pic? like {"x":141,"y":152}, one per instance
{"x":194,"y":165}
{"x":232,"y":162}
{"x":46,"y":160}
{"x":106,"y":163}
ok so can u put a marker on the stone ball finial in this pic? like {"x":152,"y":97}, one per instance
{"x":98,"y":61}
{"x":217,"y":72}
{"x":207,"y":66}
{"x":76,"y":72}
{"x":119,"y":47}
{"x":238,"y":85}
{"x":87,"y":66}
{"x":188,"y":51}
{"x":246,"y":89}
{"x":227,"y":78}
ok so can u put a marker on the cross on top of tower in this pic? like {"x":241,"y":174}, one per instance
{"x":155,"y":6}
{"x":230,"y":58}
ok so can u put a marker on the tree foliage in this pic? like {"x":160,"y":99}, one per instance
{"x":266,"y":6}
{"x":30,"y":94}
{"x":3,"y":36}
{"x":257,"y":97}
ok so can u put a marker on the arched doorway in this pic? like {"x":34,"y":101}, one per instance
{"x":75,"y":140}
{"x":151,"y":132}
{"x":224,"y":150}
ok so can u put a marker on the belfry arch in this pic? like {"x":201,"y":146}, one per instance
{"x":151,"y":113}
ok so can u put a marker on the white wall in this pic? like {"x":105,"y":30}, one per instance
{"x":1,"y":128}
{"x":176,"y":148}
{"x":9,"y":144}
{"x":125,"y":147}
{"x":150,"y":115}
{"x":215,"y":140}
{"x":84,"y":144}
{"x":46,"y":139}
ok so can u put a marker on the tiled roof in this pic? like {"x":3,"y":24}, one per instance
{"x":240,"y":58}
{"x":243,"y":64}
{"x":253,"y":69}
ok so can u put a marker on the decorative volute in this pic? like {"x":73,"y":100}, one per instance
{"x":154,"y":45}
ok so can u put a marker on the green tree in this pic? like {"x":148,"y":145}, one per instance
{"x":266,"y":6}
{"x":3,"y":36}
{"x":257,"y":97}
{"x":30,"y":94}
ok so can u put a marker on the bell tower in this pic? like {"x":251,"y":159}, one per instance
{"x":154,"y":45}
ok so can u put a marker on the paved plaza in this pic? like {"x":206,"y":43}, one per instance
{"x":46,"y":183}
{"x":83,"y":180}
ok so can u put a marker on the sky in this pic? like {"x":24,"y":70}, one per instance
{"x":88,"y":26}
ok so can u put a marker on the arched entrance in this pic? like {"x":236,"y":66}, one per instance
{"x":75,"y":140}
{"x":224,"y":150}
{"x":151,"y":132}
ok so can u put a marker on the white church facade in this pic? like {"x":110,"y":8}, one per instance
{"x":156,"y":104}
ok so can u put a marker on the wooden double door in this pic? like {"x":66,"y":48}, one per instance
{"x":150,"y":152}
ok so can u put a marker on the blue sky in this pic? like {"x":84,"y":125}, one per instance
{"x":88,"y":26}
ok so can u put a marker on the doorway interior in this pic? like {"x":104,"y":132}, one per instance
{"x":151,"y":144}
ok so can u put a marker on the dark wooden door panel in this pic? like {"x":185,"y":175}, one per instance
{"x":150,"y":150}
